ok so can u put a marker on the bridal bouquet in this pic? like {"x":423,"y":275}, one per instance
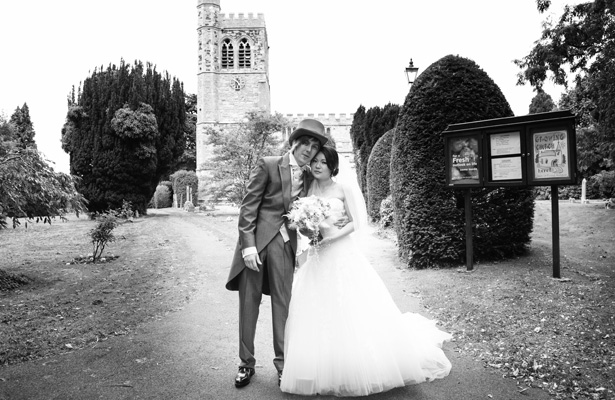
{"x":307,"y":213}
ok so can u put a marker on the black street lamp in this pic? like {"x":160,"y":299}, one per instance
{"x":411,"y":72}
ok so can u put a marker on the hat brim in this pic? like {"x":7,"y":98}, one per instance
{"x":306,"y":132}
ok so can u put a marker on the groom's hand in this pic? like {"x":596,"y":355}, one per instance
{"x":252,"y":261}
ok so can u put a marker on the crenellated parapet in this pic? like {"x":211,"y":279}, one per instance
{"x":326,"y":119}
{"x":241,"y":20}
{"x":336,"y":125}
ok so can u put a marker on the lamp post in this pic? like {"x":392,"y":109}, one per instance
{"x":411,"y":72}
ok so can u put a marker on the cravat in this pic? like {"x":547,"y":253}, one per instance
{"x":297,"y":175}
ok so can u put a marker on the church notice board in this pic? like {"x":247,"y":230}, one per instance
{"x":534,"y":149}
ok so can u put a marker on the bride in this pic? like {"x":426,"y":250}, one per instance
{"x":344,"y":335}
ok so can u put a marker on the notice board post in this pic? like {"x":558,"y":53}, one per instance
{"x":531,"y":150}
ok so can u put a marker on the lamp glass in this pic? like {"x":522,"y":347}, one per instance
{"x":411,"y":73}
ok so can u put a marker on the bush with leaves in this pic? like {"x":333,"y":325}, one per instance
{"x":30,"y":188}
{"x":162,"y":197}
{"x":429,"y":222}
{"x":603,"y":184}
{"x":378,"y":172}
{"x":386,"y":212}
{"x":102,"y":233}
{"x":126,"y":212}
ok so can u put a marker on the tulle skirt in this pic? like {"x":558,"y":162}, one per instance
{"x":346,"y":337}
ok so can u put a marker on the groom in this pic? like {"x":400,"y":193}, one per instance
{"x":264,"y":258}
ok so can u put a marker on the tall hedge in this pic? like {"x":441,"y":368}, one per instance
{"x":429,"y":217}
{"x":378,"y":172}
{"x":367,"y":127}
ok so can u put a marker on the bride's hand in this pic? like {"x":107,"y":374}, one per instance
{"x":342,"y":222}
{"x":326,"y":241}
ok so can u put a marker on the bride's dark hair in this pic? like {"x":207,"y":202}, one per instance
{"x":333,"y":160}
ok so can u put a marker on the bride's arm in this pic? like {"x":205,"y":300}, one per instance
{"x":341,"y":232}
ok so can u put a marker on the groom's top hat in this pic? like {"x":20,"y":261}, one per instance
{"x":309,"y":127}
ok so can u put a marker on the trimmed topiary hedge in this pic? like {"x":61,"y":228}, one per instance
{"x":378,"y":171}
{"x":429,"y":218}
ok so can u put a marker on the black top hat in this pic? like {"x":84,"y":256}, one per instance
{"x":309,"y":127}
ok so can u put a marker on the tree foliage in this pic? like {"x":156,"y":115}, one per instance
{"x":542,"y":102}
{"x":236,"y":151}
{"x":429,"y":224}
{"x":102,"y":234}
{"x":187,"y":160}
{"x":23,"y":127}
{"x":29,"y":187}
{"x":124,"y":131}
{"x":583,"y":42}
{"x":367,"y":127}
{"x":181,"y":180}
{"x":378,"y":172}
{"x":357,"y":136}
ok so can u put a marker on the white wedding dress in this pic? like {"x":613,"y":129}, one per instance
{"x":345,"y":336}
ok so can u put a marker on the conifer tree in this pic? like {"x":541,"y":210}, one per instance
{"x":542,"y":102}
{"x":124,"y":133}
{"x":23,"y":127}
{"x":357,"y":135}
{"x":367,"y":128}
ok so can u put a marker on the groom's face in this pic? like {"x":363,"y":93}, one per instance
{"x":305,"y":148}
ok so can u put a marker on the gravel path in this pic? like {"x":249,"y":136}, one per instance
{"x":191,"y":353}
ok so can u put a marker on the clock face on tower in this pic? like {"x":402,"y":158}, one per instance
{"x":237,"y":83}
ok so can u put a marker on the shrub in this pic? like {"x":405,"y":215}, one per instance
{"x":386,"y":212}
{"x":188,"y":206}
{"x":603,"y":184}
{"x":569,"y":191}
{"x":162,"y":197}
{"x":378,"y":171}
{"x":168,"y":184}
{"x":429,"y":217}
{"x":102,"y":234}
{"x":126,"y":212}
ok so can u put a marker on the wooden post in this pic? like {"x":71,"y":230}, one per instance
{"x":555,"y":229}
{"x":469,"y":243}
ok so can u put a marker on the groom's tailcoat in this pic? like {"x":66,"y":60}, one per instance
{"x":262,"y":211}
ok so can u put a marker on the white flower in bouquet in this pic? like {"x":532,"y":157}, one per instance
{"x":308,"y":213}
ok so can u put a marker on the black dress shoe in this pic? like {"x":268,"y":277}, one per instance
{"x":243,"y":376}
{"x":279,"y":378}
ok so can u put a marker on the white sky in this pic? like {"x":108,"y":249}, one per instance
{"x":326,"y":56}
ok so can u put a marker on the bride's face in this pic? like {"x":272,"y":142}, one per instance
{"x":319,"y":167}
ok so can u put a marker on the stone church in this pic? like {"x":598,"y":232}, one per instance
{"x":233,"y":79}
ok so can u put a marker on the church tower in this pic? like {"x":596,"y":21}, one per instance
{"x":233,"y":71}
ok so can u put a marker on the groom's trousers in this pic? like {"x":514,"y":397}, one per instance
{"x":277,"y":271}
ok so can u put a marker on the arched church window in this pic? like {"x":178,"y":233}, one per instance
{"x":228,"y":57}
{"x":245,"y":56}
